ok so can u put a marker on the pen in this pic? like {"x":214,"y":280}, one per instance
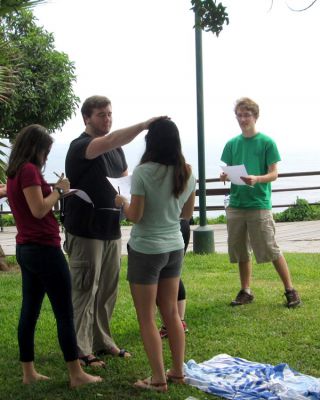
{"x":59,"y":176}
{"x":119,"y":189}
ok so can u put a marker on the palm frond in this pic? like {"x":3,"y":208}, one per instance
{"x":3,"y":160}
{"x":8,"y":81}
{"x":8,"y":6}
{"x":9,"y":69}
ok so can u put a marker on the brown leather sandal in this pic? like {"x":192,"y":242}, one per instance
{"x":178,"y":380}
{"x":149,"y":385}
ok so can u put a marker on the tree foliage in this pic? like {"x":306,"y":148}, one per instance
{"x":9,"y":6}
{"x":9,"y":66}
{"x":45,"y":94}
{"x":8,"y":58}
{"x":212,"y":16}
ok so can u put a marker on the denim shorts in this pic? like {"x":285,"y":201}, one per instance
{"x":148,"y":269}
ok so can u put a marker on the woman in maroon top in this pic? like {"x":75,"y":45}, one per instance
{"x":43,"y":266}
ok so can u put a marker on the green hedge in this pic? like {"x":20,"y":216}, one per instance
{"x":7,"y":220}
{"x":300,"y":211}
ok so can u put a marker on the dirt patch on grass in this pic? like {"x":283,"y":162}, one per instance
{"x":11,"y":268}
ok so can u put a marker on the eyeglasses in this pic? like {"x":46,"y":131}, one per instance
{"x":244,"y":116}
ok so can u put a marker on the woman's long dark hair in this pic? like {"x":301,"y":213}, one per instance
{"x":164,"y":147}
{"x":32,"y":144}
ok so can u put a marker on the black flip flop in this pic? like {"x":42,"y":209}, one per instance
{"x":122,"y":353}
{"x":89,"y":361}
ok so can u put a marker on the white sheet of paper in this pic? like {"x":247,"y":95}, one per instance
{"x":83,"y":195}
{"x":80,"y":193}
{"x":122,"y":185}
{"x":234,"y":172}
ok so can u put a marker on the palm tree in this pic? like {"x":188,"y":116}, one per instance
{"x":8,"y":6}
{"x":7,"y":58}
{"x":9,"y":65}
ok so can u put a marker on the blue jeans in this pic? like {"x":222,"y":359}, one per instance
{"x":45,"y":270}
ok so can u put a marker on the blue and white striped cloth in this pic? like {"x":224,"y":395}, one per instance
{"x":237,"y":378}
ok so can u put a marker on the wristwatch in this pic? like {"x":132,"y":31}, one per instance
{"x":60,"y":191}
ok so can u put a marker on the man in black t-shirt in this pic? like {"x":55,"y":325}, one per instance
{"x":93,"y":237}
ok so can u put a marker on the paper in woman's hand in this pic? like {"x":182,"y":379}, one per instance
{"x":122,"y":185}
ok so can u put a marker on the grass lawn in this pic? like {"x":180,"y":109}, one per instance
{"x":264,"y":331}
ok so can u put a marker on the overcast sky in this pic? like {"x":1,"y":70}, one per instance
{"x":141,"y":54}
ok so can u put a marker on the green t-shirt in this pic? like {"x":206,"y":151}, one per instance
{"x":257,"y":153}
{"x":158,"y":231}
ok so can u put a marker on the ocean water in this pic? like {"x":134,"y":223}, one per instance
{"x":311,"y":196}
{"x":295,"y":158}
{"x":292,"y":162}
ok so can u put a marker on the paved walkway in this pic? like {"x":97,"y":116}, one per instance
{"x":298,"y":237}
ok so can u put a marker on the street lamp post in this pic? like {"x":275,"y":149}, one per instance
{"x":203,"y":235}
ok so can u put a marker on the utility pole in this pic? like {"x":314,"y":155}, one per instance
{"x":203,"y":241}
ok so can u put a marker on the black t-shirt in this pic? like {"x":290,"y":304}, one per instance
{"x":80,"y":217}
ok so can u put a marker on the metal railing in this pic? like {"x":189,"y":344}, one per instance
{"x":226,"y":191}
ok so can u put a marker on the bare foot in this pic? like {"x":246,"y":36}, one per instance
{"x":150,"y":385}
{"x":83,"y":379}
{"x":34,"y":377}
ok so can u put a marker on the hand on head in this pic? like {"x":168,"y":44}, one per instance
{"x":151,"y":120}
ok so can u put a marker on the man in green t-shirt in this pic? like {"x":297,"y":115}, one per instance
{"x":249,"y":216}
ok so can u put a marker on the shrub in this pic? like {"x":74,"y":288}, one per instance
{"x":316,"y":211}
{"x":221,"y":219}
{"x":300,"y":211}
{"x":125,"y":222}
{"x":7,"y":220}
